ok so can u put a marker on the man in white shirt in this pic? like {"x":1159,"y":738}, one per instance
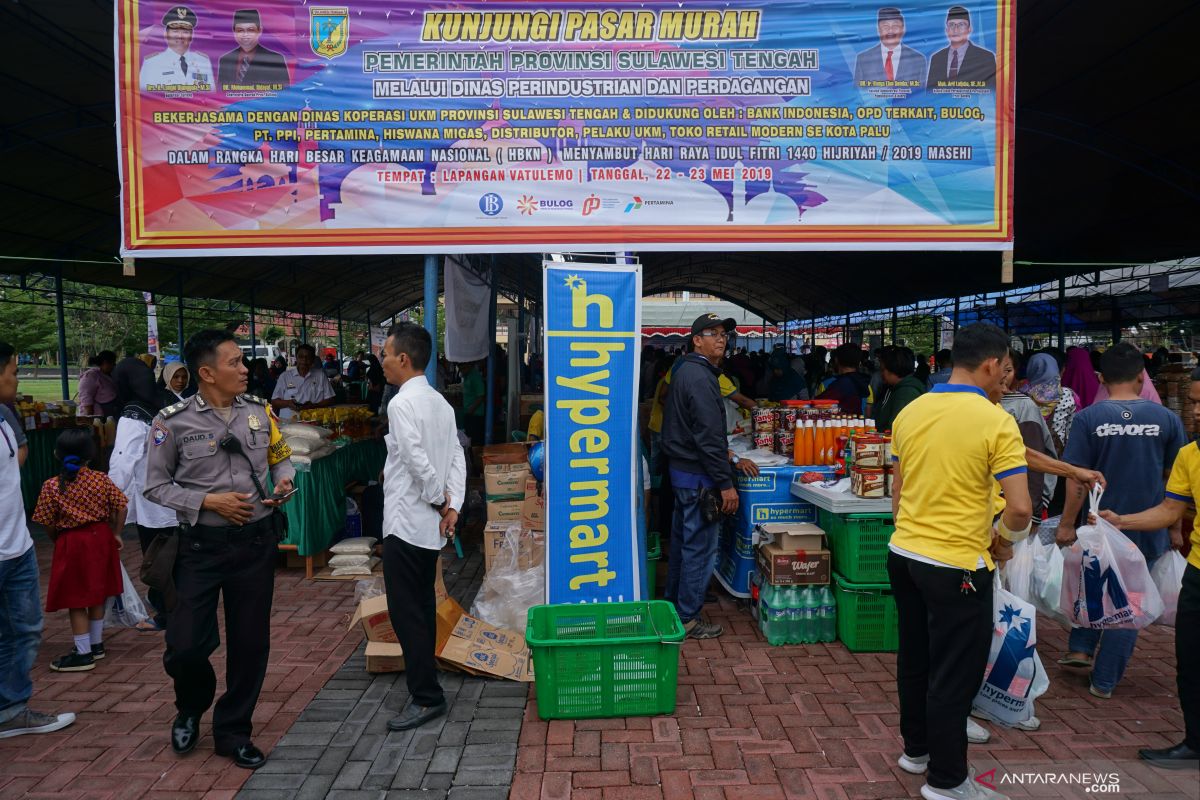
{"x":20,"y":606}
{"x":424,"y":483}
{"x":178,"y":68}
{"x":301,"y":387}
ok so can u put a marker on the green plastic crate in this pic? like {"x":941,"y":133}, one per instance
{"x":866,"y":616}
{"x":653,"y":554}
{"x":605,"y":659}
{"x":858,"y":544}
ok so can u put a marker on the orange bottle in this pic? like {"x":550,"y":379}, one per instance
{"x":805,"y":437}
{"x":798,"y":445}
{"x":822,"y":456}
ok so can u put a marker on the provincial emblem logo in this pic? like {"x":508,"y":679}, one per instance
{"x":329,"y":30}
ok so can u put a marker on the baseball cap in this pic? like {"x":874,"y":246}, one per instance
{"x":710,"y":320}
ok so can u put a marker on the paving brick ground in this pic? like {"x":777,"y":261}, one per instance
{"x":753,"y":721}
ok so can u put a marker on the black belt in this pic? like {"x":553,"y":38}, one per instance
{"x":223,"y":533}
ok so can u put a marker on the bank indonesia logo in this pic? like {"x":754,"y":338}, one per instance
{"x":491,"y":204}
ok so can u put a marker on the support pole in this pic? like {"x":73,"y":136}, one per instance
{"x":846,"y":330}
{"x":253,"y":331}
{"x":1116,"y":320}
{"x":341,"y":347}
{"x":370,"y":335}
{"x":895,"y":320}
{"x":62,"y":335}
{"x":785,"y":330}
{"x":179,"y":310}
{"x":430,"y":316}
{"x":813,"y":325}
{"x":956,"y":315}
{"x":303,"y":321}
{"x":522,"y":342}
{"x":764,"y":335}
{"x":1062,"y":320}
{"x":489,"y":414}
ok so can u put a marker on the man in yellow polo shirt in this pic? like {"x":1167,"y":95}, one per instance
{"x":1183,"y":488}
{"x":949,"y":447}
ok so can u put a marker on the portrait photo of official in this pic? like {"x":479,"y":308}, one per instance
{"x":963,"y":60}
{"x":250,"y":65}
{"x":890,"y":59}
{"x":178,"y":68}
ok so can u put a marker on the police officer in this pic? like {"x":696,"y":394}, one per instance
{"x":208,"y":458}
{"x":177,"y":69}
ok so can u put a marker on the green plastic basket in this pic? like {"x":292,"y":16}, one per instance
{"x":866,"y":616}
{"x":653,"y":554}
{"x":858,"y":544}
{"x":605,"y":659}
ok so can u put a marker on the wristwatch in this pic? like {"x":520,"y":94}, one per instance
{"x":735,"y":460}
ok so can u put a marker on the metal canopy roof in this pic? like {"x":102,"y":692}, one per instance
{"x":1104,"y":173}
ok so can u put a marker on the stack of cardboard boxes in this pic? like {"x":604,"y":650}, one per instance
{"x":513,"y":499}
{"x":793,"y":555}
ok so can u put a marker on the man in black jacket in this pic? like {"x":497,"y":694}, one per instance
{"x":250,"y":65}
{"x":693,"y":439}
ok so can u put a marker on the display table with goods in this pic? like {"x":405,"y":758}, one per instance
{"x":42,"y":423}
{"x":325,"y":464}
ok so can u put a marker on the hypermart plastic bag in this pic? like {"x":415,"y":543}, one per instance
{"x":1105,"y":580}
{"x":1168,"y":578}
{"x":1045,"y":584}
{"x":126,"y":608}
{"x":1018,"y":570}
{"x":1015,"y":676}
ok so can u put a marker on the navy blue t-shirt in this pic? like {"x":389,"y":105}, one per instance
{"x":1133,"y":442}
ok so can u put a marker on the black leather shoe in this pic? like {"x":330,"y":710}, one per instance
{"x":414,"y":716}
{"x":185,"y":732}
{"x":1179,"y":756}
{"x":246,"y":756}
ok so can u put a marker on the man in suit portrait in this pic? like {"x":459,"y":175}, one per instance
{"x":890,"y":60}
{"x":250,"y":64}
{"x":962,"y":60}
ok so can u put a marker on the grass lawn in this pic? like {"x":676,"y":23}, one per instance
{"x":47,"y":390}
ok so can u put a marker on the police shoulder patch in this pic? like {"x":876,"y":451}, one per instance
{"x":175,"y":408}
{"x":253,"y":398}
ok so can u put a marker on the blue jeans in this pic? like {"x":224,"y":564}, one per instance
{"x":1110,"y":650}
{"x":693,"y":555}
{"x":20,"y":631}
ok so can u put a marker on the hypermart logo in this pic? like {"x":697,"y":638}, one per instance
{"x":1091,"y":782}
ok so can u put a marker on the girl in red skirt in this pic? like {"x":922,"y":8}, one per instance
{"x":83,"y":513}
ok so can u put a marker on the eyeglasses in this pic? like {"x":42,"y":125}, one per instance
{"x":958,"y":26}
{"x":714,"y":334}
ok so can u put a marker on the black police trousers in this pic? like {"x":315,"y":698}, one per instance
{"x":242,"y":567}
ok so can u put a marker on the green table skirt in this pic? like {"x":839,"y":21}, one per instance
{"x":317,"y":512}
{"x":39,"y":466}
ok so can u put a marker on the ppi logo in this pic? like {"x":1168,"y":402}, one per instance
{"x":591,"y":203}
{"x":527,"y":205}
{"x":491,"y":204}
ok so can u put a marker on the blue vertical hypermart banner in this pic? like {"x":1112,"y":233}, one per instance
{"x":592,"y":340}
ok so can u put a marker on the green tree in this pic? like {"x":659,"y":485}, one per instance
{"x":272,"y":334}
{"x":26,"y":322}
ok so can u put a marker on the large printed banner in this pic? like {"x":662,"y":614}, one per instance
{"x":284,"y":126}
{"x":592,"y":338}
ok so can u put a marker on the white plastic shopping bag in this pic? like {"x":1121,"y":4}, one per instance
{"x":1015,"y":676}
{"x":1168,"y":578}
{"x":126,"y":608}
{"x":1105,"y":580}
{"x":1045,"y":584}
{"x":1018,"y":570}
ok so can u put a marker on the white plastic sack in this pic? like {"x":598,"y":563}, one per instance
{"x":1168,"y":578}
{"x":1105,"y":580}
{"x":1015,"y":676}
{"x":125,"y":609}
{"x":1045,"y":584}
{"x":1018,"y":570}
{"x":509,"y":590}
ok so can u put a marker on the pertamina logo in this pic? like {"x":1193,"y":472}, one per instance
{"x":329,"y":30}
{"x":527,"y":205}
{"x":635,"y":205}
{"x":491,"y":204}
{"x":591,"y":203}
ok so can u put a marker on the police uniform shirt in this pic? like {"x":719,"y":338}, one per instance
{"x":311,"y":388}
{"x":185,"y":460}
{"x":163,"y":72}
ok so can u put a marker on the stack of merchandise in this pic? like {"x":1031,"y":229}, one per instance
{"x":350,"y":421}
{"x":36,"y":415}
{"x":795,"y":604}
{"x":514,"y":500}
{"x":308,"y":442}
{"x":869,"y":462}
{"x":1173,"y":383}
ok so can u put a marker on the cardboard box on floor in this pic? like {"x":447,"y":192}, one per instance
{"x":384,"y":653}
{"x":473,"y":646}
{"x":796,"y":536}
{"x":505,"y":481}
{"x":533,"y":510}
{"x":504,"y":511}
{"x":796,"y":557}
{"x":532,"y":545}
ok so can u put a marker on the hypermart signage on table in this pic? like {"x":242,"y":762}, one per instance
{"x":593,"y":317}
{"x":405,"y":126}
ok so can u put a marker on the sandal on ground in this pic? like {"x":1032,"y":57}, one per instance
{"x":1071,"y":660}
{"x":147,"y":626}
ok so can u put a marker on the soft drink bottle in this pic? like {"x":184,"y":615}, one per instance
{"x":764,"y":608}
{"x":811,"y":607}
{"x":777,"y":617}
{"x":828,"y":615}
{"x":794,"y":614}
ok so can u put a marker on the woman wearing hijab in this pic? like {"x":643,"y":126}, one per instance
{"x":1055,"y":401}
{"x":1148,"y":391}
{"x":172,"y":383}
{"x":140,"y":401}
{"x":1080,"y":376}
{"x":375,"y":383}
{"x":786,"y":384}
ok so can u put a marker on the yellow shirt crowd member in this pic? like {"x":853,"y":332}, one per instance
{"x":1184,"y":486}
{"x":953,"y":445}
